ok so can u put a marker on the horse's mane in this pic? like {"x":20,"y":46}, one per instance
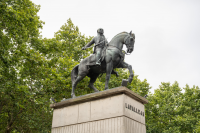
{"x":119,"y":34}
{"x":133,"y":35}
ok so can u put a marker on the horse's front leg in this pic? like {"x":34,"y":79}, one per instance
{"x":109,"y":67}
{"x":129,"y":67}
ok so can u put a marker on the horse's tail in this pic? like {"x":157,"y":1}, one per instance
{"x":74,"y":73}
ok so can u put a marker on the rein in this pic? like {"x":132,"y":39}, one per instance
{"x":95,"y":45}
{"x":126,"y":53}
{"x":115,"y":47}
{"x":120,"y":50}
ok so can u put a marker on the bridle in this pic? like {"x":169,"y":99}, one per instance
{"x":127,"y":42}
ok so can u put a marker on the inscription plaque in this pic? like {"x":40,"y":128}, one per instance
{"x":134,"y":109}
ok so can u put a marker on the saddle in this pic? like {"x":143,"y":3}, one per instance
{"x":91,"y":60}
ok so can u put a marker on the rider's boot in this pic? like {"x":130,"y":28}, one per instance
{"x":98,"y":58}
{"x":98,"y":62}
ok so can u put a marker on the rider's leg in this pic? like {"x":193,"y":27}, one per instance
{"x":98,"y":56}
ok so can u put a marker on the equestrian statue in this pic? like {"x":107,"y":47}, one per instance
{"x":106,"y":57}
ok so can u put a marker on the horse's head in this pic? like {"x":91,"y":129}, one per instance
{"x":129,"y":41}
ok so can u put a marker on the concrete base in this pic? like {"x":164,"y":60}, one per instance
{"x":117,"y":110}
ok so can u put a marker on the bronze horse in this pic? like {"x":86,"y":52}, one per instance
{"x":114,"y":58}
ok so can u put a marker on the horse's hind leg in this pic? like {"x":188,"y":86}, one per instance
{"x":109,"y":67}
{"x":79,"y":78}
{"x":92,"y":80}
{"x":115,"y":72}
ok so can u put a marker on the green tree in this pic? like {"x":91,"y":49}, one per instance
{"x":161,"y":109}
{"x":189,"y":110}
{"x":20,"y":67}
{"x":171,"y":110}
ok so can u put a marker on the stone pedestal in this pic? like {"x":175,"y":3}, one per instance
{"x":117,"y":110}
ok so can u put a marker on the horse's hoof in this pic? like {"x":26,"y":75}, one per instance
{"x":96,"y":90}
{"x":73,"y":95}
{"x":92,"y":87}
{"x":117,"y":75}
{"x":106,"y":88}
{"x":130,"y":80}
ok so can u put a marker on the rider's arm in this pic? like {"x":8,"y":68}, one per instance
{"x":90,"y":43}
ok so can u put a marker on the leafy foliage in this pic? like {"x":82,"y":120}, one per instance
{"x":171,"y":110}
{"x":20,"y":69}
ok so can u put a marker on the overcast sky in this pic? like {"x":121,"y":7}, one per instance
{"x":167,"y":32}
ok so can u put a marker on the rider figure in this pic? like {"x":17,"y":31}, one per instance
{"x":100,"y":42}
